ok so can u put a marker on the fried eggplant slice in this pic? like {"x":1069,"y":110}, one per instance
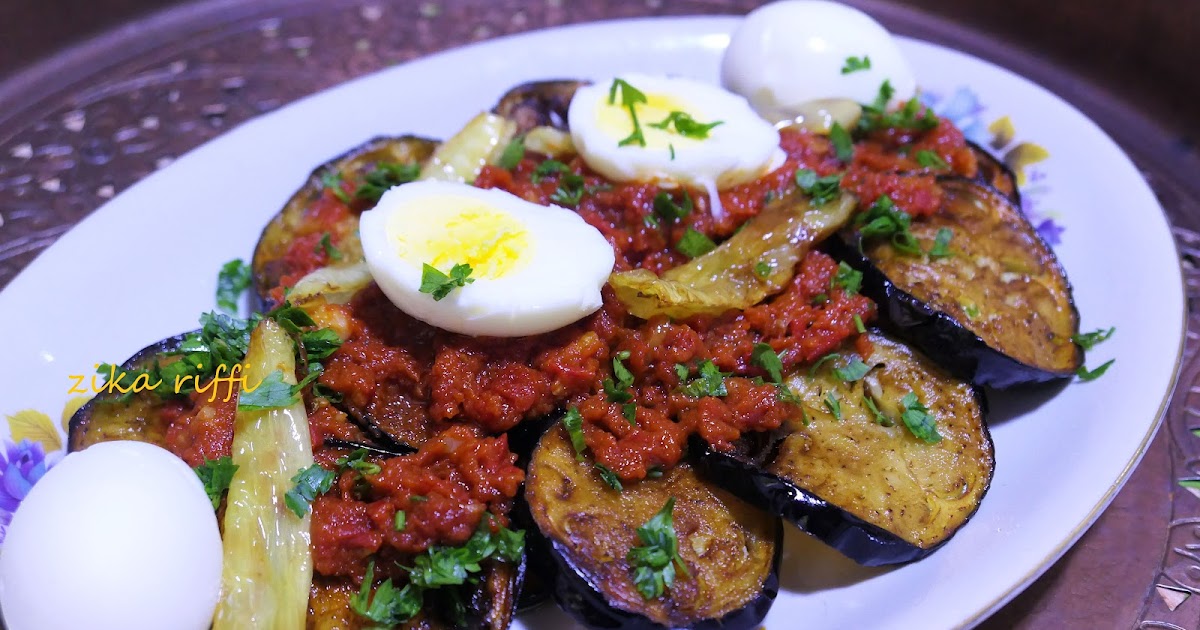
{"x":294,"y":243}
{"x":992,"y":172}
{"x":849,"y":468}
{"x":730,"y":548}
{"x":996,"y":310}
{"x":538,"y":104}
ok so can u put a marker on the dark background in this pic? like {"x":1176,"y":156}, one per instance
{"x":1147,"y":52}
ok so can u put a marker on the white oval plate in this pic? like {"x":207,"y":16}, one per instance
{"x":144,"y":266}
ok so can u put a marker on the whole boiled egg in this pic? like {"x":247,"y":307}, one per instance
{"x":787,"y":54}
{"x":532,"y":268}
{"x":120,"y":536}
{"x":637,"y":127}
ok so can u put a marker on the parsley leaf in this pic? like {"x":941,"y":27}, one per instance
{"x":654,"y":559}
{"x":309,"y":484}
{"x":390,"y":606}
{"x":399,"y":521}
{"x":842,"y":144}
{"x":513,"y":153}
{"x":665,"y":206}
{"x":570,"y":190}
{"x":858,"y":324}
{"x":833,"y":405}
{"x":929,"y":159}
{"x":271,"y":393}
{"x":609,"y":477}
{"x":439,"y":285}
{"x":331,"y":180}
{"x":357,"y":461}
{"x":547,"y":168}
{"x":941,"y":244}
{"x":852,"y":371}
{"x":320,"y":343}
{"x":916,"y":417}
{"x":854,"y":64}
{"x":574,"y":424}
{"x":617,"y":388}
{"x":880,"y":418}
{"x":812,"y":371}
{"x":630,"y":97}
{"x":763,"y":269}
{"x":765,"y":357}
{"x":693,"y":244}
{"x":709,"y":382}
{"x":216,"y":475}
{"x":1090,"y":375}
{"x":233,"y":279}
{"x":883,"y":219}
{"x":1087,"y":341}
{"x":685,"y":125}
{"x":848,"y":278}
{"x":384,"y":176}
{"x":326,"y":245}
{"x":821,"y":190}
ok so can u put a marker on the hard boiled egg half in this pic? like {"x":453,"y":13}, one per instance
{"x":533,"y":268}
{"x":637,"y":127}
{"x":119,"y":536}
{"x":787,"y":54}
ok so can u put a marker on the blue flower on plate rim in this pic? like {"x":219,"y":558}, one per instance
{"x":964,"y":109}
{"x":21,"y":465}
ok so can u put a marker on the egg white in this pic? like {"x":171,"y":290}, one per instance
{"x":120,"y":536}
{"x":742,"y":148}
{"x":549,"y":277}
{"x":788,"y":53}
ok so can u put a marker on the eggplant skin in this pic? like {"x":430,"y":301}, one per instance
{"x":998,"y":312}
{"x":102,"y":419}
{"x":875,"y":493}
{"x":538,"y":103}
{"x":268,"y":265}
{"x":586,"y":529}
{"x":996,"y":174}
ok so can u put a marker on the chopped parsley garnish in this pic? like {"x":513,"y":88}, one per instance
{"x":271,"y":393}
{"x":216,"y":475}
{"x":630,"y":97}
{"x":384,"y":176}
{"x":233,"y":279}
{"x":320,"y":343}
{"x":854,"y":64}
{"x":852,"y":371}
{"x":929,"y":159}
{"x":326,"y":245}
{"x":763,"y":269}
{"x":1090,"y":375}
{"x":843,"y":145}
{"x":574,"y":424}
{"x":291,"y":318}
{"x":357,"y":461}
{"x":671,"y":149}
{"x":876,"y":116}
{"x":821,"y":190}
{"x":332,"y":181}
{"x":513,"y":154}
{"x":847,"y":278}
{"x":941,"y":244}
{"x":1087,"y":341}
{"x":309,"y":484}
{"x":438,"y":566}
{"x":693,"y":244}
{"x":880,"y":418}
{"x":617,"y":387}
{"x":654,"y":559}
{"x":439,"y":285}
{"x":547,"y":168}
{"x":609,"y":477}
{"x":884,"y":220}
{"x":668,"y":209}
{"x":916,"y":417}
{"x":685,"y":125}
{"x":971,"y":311}
{"x":833,"y":405}
{"x":832,"y":356}
{"x":858,"y":324}
{"x":765,"y":357}
{"x":709,"y":381}
{"x":819,"y":299}
{"x":400,"y":521}
{"x":570,"y":190}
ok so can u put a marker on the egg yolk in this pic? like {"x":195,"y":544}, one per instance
{"x":448,"y":231}
{"x":614,"y":120}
